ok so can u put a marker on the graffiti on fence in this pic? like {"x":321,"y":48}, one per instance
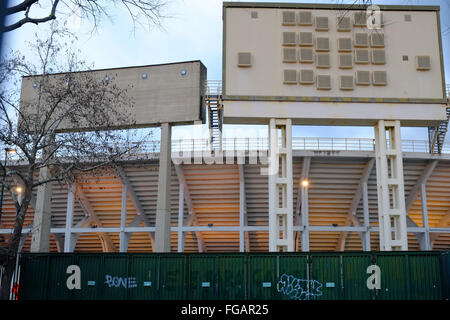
{"x":116,"y":282}
{"x":299,"y":289}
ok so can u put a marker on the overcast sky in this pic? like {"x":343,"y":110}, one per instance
{"x":194,"y":32}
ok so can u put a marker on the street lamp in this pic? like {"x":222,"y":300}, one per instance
{"x":7,"y":151}
{"x":305,"y":183}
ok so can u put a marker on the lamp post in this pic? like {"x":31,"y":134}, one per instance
{"x":7,"y":150}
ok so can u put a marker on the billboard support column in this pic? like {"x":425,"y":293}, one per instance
{"x":390,"y":186}
{"x":162,"y":233}
{"x":281,"y":234}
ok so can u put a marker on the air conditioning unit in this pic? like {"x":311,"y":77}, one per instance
{"x":322,"y":44}
{"x":323,"y":82}
{"x":361,"y":40}
{"x":363,"y":78}
{"x":361,"y":56}
{"x":306,"y":77}
{"x":379,"y":78}
{"x":305,"y":39}
{"x":423,"y":62}
{"x":306,"y":55}
{"x":346,"y":82}
{"x":345,"y":44}
{"x":289,"y":18}
{"x":321,"y":23}
{"x":322,"y":60}
{"x":344,"y":24}
{"x":377,"y":40}
{"x":345,"y":61}
{"x":290,"y":77}
{"x":360,"y":19}
{"x":305,"y":18}
{"x":244,"y":59}
{"x":378,"y":57}
{"x":289,"y":39}
{"x":290,"y":55}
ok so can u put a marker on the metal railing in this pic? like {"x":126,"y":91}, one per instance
{"x":298,"y":143}
{"x":213,"y":87}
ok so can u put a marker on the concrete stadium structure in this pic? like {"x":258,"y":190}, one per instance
{"x":333,"y":194}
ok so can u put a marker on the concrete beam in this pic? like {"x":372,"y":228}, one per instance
{"x":351,"y":214}
{"x":244,"y":242}
{"x":80,"y":196}
{"x":134,"y":198}
{"x":192,"y":215}
{"x":441,"y":224}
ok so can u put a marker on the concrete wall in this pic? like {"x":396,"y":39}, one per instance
{"x":264,"y":79}
{"x":165,"y":96}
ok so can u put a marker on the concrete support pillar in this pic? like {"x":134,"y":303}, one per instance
{"x":281,"y":218}
{"x":423,"y":198}
{"x":162,"y":233}
{"x":68,"y":237}
{"x":366,"y":234}
{"x":181,"y":234}
{"x":123,"y":222}
{"x":40,"y":238}
{"x":390,"y":186}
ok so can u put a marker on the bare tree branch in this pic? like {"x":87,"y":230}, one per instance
{"x":140,"y":11}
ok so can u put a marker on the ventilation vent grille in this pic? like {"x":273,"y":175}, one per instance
{"x":305,"y":18}
{"x":306,"y":55}
{"x":361,"y":40}
{"x":379,"y":78}
{"x":289,"y":55}
{"x":378,"y":57}
{"x":323,"y":60}
{"x":322,"y":44}
{"x":344,"y":44}
{"x":289,"y":18}
{"x":323,"y":82}
{"x":360,"y":19}
{"x":377,"y":40}
{"x":306,"y":76}
{"x":306,"y":39}
{"x":289,"y":39}
{"x":362,"y":56}
{"x":345,"y":61}
{"x":344,"y":24}
{"x":363,"y":78}
{"x":321,"y":23}
{"x":346,"y":82}
{"x":290,"y":76}
{"x":423,"y":62}
{"x":244,"y":59}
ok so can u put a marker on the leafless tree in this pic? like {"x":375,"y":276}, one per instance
{"x":64,"y":94}
{"x":144,"y":12}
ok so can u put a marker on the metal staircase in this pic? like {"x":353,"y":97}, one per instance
{"x":213,"y":99}
{"x":436,"y":135}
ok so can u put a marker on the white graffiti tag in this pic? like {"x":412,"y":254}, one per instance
{"x":299,"y":289}
{"x":118,"y":281}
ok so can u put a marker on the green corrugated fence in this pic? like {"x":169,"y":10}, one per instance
{"x":262,"y":276}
